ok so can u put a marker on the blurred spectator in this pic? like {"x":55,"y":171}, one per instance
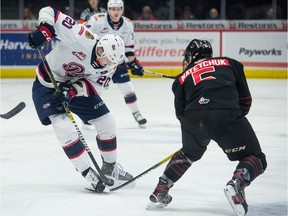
{"x":269,"y":13}
{"x":213,"y":14}
{"x":146,"y":14}
{"x":187,"y":13}
{"x":237,"y":12}
{"x":93,"y":8}
{"x":199,"y":12}
{"x":27,"y":14}
{"x":163,"y":12}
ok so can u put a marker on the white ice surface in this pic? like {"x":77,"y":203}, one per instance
{"x":38,"y":180}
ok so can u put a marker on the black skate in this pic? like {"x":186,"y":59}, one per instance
{"x":160,"y":197}
{"x":140,"y":119}
{"x":235,"y":194}
{"x":117,"y":173}
{"x":91,"y":176}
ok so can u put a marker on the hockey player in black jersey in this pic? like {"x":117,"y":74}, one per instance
{"x":212,"y":99}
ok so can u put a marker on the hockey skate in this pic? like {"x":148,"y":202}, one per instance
{"x":140,"y":119}
{"x":235,"y":193}
{"x":117,"y":173}
{"x":91,"y":176}
{"x":160,"y":197}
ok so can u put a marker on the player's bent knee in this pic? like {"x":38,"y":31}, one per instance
{"x":126,"y":88}
{"x":64,"y":129}
{"x":105,"y":126}
{"x":191,"y":154}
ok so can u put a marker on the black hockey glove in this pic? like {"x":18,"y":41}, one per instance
{"x":68,"y":89}
{"x":44,"y":33}
{"x":135,"y":67}
{"x":59,"y":99}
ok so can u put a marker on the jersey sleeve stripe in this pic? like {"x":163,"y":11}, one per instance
{"x":56,"y":14}
{"x":88,"y":84}
{"x":129,"y":46}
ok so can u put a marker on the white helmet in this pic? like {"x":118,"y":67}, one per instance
{"x":113,"y":47}
{"x":115,"y":3}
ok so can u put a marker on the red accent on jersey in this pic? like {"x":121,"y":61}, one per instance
{"x":81,"y":30}
{"x":203,"y":67}
{"x":89,"y":85}
{"x":57,"y":16}
{"x":40,"y":73}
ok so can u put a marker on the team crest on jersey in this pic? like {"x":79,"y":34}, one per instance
{"x":104,"y":30}
{"x":80,"y":55}
{"x":89,"y":35}
{"x":73,"y":69}
{"x":204,"y":101}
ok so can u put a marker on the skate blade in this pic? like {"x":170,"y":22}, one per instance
{"x":93,"y":191}
{"x":143,"y":126}
{"x":155,"y":206}
{"x":120,"y":182}
{"x":238,"y":208}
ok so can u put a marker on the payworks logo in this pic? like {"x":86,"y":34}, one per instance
{"x":259,"y":52}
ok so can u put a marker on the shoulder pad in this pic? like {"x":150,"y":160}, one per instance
{"x":99,"y":15}
{"x":127,"y":19}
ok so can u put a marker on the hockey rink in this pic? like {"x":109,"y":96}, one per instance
{"x":38,"y":180}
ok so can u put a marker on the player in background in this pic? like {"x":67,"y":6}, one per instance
{"x":82,"y":64}
{"x":212,"y":99}
{"x":115,"y":23}
{"x":93,"y":9}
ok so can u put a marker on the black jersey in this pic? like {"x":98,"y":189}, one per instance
{"x":215,"y":83}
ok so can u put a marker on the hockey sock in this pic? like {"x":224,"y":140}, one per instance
{"x":107,"y":148}
{"x":131,"y":101}
{"x":253,"y":165}
{"x":71,"y":144}
{"x":177,"y":166}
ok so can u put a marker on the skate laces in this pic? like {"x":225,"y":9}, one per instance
{"x":118,"y":171}
{"x":91,"y":177}
{"x":138,"y":116}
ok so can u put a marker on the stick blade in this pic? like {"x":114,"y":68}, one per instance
{"x":14,"y":111}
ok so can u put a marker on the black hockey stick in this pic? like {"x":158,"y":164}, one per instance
{"x":106,"y":180}
{"x":145,"y":172}
{"x":14,"y":111}
{"x":159,"y":74}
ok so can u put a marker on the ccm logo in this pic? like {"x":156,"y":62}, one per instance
{"x":46,"y":35}
{"x":235,"y":149}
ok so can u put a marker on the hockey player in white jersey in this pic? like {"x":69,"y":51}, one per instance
{"x":83,"y":64}
{"x":115,"y":23}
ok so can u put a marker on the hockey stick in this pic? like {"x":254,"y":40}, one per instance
{"x":14,"y":111}
{"x":145,"y":172}
{"x":159,"y":74}
{"x":106,"y":180}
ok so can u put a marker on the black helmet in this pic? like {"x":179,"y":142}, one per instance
{"x":197,"y":49}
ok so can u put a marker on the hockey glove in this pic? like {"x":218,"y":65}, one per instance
{"x":44,"y":33}
{"x":135,"y":67}
{"x":68,"y":89}
{"x":59,"y":99}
